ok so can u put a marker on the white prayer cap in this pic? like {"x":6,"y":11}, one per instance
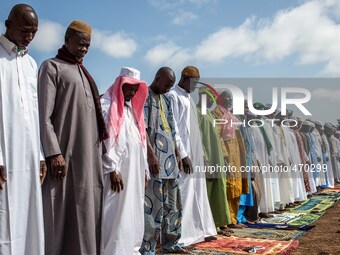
{"x":130,"y":72}
{"x":318,"y":123}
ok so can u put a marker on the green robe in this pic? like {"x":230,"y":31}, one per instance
{"x":213,"y":153}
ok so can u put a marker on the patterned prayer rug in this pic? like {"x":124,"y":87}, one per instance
{"x":238,"y":245}
{"x":314,"y":205}
{"x":281,"y":226}
{"x":281,"y":218}
{"x":307,"y":219}
{"x":332,"y":193}
{"x":272,"y":234}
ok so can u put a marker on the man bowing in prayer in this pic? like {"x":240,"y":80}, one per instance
{"x":72,"y":128}
{"x":163,"y":206}
{"x":125,"y":163}
{"x":235,"y":153}
{"x":197,"y":220}
{"x":21,"y":223}
{"x":213,"y":156}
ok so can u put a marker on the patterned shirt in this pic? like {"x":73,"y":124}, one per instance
{"x":160,"y":127}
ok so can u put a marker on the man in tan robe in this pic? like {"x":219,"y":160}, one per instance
{"x":234,"y":151}
{"x":72,"y":128}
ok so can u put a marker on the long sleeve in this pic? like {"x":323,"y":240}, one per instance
{"x":112,"y":158}
{"x":47,"y":89}
{"x":42,"y":155}
{"x":174,"y":105}
{"x":147,"y":171}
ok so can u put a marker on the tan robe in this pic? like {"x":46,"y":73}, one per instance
{"x":234,"y":150}
{"x":72,"y":207}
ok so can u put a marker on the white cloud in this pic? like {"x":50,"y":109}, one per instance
{"x":49,"y":37}
{"x":183,"y":18}
{"x":309,"y":32}
{"x":117,"y":45}
{"x":168,"y":54}
{"x":332,"y":95}
{"x":227,"y":42}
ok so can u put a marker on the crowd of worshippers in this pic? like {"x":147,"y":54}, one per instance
{"x":122,"y":173}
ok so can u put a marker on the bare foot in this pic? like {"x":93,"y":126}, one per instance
{"x":290,"y":205}
{"x":210,"y":238}
{"x":239,"y":225}
{"x":242,"y":225}
{"x":276,"y":212}
{"x":225,"y":228}
{"x":265,"y":215}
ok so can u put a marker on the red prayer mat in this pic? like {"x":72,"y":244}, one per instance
{"x":238,"y":245}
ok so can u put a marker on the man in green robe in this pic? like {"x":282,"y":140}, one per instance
{"x":216,"y":182}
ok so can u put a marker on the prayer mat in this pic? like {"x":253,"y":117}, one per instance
{"x":271,"y":234}
{"x":280,"y":226}
{"x":315,"y":204}
{"x":238,"y":245}
{"x":203,"y":252}
{"x":281,"y":218}
{"x":307,"y":219}
{"x":200,"y":252}
{"x":334,"y":194}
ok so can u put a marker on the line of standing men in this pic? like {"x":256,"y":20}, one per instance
{"x":65,"y":215}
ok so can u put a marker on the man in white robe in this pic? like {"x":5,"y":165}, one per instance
{"x":327,"y":136}
{"x":125,"y":164}
{"x":260,"y":149}
{"x":319,"y":177}
{"x":336,"y":155}
{"x":197,"y":219}
{"x":21,"y":219}
{"x":274,"y":176}
{"x":305,"y":129}
{"x":300,"y":193}
{"x":282,"y":159}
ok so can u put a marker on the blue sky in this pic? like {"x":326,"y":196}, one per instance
{"x":223,"y":38}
